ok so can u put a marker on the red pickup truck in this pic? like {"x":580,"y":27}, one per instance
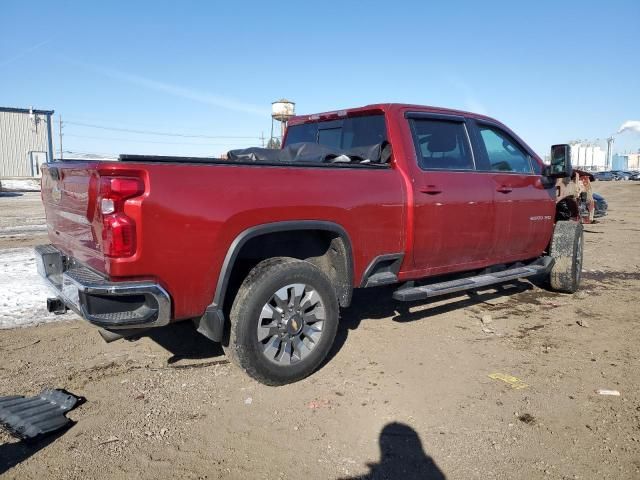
{"x":262,"y":248}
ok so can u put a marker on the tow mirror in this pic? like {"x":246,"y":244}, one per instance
{"x":560,"y":162}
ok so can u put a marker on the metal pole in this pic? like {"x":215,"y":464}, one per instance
{"x":50,"y":138}
{"x":60,"y":134}
{"x":271,"y":139}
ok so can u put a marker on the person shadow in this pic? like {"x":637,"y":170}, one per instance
{"x":401,"y":456}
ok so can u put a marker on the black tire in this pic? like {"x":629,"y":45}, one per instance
{"x":567,"y":250}
{"x":259,"y":287}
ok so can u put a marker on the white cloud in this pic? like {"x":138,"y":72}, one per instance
{"x":182,"y":92}
{"x":24,"y":52}
{"x":471,"y":101}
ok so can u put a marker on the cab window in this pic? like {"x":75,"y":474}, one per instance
{"x":504,"y":154}
{"x":441,"y":145}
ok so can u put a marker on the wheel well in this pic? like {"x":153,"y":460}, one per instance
{"x":327,"y":250}
{"x":567,"y":209}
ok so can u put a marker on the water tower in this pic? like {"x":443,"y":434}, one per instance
{"x":282,"y":110}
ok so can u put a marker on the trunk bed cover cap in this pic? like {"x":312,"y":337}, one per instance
{"x":313,"y":152}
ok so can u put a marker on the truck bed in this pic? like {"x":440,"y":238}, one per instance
{"x":192,"y":209}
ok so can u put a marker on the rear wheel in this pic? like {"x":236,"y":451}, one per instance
{"x":283,"y":321}
{"x":566,"y":249}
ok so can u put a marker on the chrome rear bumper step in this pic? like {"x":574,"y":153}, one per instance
{"x":107,"y":304}
{"x":409,"y":294}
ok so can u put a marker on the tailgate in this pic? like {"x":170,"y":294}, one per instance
{"x":68,"y":194}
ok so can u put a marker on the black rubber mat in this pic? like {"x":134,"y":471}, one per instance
{"x":32,"y":417}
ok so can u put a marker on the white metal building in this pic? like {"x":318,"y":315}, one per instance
{"x":588,"y":156}
{"x":633,"y":161}
{"x":25,"y":141}
{"x":626,"y":161}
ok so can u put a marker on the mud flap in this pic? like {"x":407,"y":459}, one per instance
{"x":211,"y":324}
{"x":29,"y":418}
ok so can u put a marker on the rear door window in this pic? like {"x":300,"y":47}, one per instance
{"x":504,"y":153}
{"x":442,"y":144}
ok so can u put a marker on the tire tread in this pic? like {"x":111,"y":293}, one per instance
{"x":564,"y":276}
{"x":236,"y":350}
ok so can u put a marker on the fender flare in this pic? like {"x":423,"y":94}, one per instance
{"x":211,"y":324}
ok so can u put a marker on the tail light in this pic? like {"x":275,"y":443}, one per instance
{"x":118,"y":229}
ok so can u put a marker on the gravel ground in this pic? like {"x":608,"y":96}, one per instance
{"x":409,"y":391}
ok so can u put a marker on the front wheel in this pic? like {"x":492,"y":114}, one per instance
{"x":566,"y":249}
{"x":283,"y":321}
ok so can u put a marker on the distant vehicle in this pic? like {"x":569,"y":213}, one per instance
{"x":601,"y":205}
{"x":635,"y":176}
{"x":621,"y":174}
{"x":604,"y":176}
{"x":261,"y":249}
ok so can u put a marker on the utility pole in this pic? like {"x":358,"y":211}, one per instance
{"x":262,"y":138}
{"x":60,"y":133}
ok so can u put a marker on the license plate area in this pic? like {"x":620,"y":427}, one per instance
{"x":51,"y":265}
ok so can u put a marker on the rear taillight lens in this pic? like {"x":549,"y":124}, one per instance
{"x":118,"y":235}
{"x":119,"y":189}
{"x":118,"y":229}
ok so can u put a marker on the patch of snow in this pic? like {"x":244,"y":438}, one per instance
{"x":20,"y":185}
{"x":22,"y":230}
{"x":23,"y":294}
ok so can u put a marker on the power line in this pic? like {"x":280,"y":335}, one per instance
{"x":151,"y":132}
{"x":130,"y":125}
{"x":75,"y":152}
{"x":149,"y":141}
{"x":121,"y":122}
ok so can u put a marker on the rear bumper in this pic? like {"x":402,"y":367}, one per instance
{"x":111,"y":305}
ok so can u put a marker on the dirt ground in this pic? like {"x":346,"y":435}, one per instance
{"x":405,"y":394}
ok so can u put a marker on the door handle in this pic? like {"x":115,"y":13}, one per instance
{"x":431,"y":190}
{"x":504,"y":189}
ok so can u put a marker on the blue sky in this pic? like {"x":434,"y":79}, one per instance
{"x":553,"y":71}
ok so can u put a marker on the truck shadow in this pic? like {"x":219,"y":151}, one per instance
{"x":401,"y":456}
{"x":377,"y":303}
{"x":185,"y":343}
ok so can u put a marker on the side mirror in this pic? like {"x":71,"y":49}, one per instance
{"x":560,"y":162}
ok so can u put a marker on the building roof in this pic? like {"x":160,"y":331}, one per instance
{"x":26,"y":110}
